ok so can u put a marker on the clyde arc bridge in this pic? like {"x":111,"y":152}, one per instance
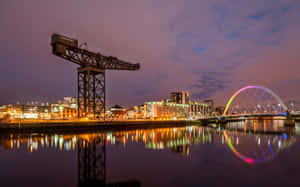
{"x":91,"y":74}
{"x":253,"y":101}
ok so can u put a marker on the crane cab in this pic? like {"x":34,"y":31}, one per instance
{"x":60,"y":43}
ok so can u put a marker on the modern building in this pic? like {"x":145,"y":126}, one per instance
{"x":70,"y":102}
{"x":131,"y":114}
{"x":199,"y":109}
{"x":3,"y":112}
{"x":162,"y":110}
{"x":211,"y":105}
{"x":70,"y":113}
{"x":178,"y":106}
{"x":22,"y":111}
{"x":180,"y":97}
{"x":40,"y":110}
{"x":57,"y":111}
{"x":139,"y":111}
{"x":116,"y":112}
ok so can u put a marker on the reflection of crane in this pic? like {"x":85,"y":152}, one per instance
{"x":91,"y":74}
{"x":92,"y":164}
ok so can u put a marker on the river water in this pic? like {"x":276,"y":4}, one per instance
{"x":251,"y":153}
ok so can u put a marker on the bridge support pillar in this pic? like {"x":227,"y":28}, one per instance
{"x":289,"y":121}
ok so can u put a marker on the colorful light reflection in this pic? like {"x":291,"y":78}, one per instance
{"x":244,"y":158}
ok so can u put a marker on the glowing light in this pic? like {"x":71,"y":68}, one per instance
{"x":242,"y":157}
{"x":250,"y":87}
{"x":284,"y":136}
{"x":249,"y":160}
{"x":67,"y":146}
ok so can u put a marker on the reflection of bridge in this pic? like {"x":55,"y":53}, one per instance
{"x":91,"y":147}
{"x":263,"y":147}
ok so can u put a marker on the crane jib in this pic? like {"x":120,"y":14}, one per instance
{"x":91,"y":74}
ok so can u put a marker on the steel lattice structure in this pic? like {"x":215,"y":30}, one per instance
{"x":91,"y":162}
{"x":91,"y":74}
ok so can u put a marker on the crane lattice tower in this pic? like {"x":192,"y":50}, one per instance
{"x":91,"y":74}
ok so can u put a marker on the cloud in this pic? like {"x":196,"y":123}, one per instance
{"x":210,"y":47}
{"x":232,"y":35}
{"x":198,"y":49}
{"x":258,"y":15}
{"x":208,"y":84}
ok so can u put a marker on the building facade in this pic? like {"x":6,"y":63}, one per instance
{"x":180,"y":97}
{"x":178,"y":106}
{"x":70,"y":102}
{"x":199,"y":109}
{"x":116,"y":113}
{"x":41,"y":111}
{"x":162,"y":110}
{"x":211,"y":105}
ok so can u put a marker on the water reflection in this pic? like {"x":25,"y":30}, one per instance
{"x":261,"y":139}
{"x":176,"y":139}
{"x":265,"y":126}
{"x":246,"y":140}
{"x":257,"y":148}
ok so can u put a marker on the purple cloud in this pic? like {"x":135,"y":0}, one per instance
{"x":170,"y":39}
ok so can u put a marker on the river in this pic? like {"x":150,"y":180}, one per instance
{"x":251,"y":153}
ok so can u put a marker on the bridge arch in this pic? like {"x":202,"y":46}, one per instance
{"x":254,"y":87}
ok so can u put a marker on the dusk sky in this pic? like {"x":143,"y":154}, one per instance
{"x":210,"y":48}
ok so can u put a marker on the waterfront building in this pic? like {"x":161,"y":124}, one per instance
{"x":62,"y":112}
{"x":70,"y":102}
{"x":180,"y":97}
{"x":198,"y":109}
{"x":211,"y":105}
{"x":178,"y":106}
{"x":70,"y":113}
{"x":130,"y":113}
{"x":139,"y":111}
{"x":22,"y":111}
{"x":3,"y":112}
{"x":41,"y":110}
{"x":116,"y":112}
{"x":163,"y":110}
{"x":57,"y":111}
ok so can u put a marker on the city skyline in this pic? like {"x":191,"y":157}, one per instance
{"x":149,"y":93}
{"x":210,"y":49}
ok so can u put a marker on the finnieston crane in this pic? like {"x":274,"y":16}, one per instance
{"x":91,"y":74}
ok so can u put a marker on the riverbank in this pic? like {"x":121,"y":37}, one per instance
{"x":88,"y":125}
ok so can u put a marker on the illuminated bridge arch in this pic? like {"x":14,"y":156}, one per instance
{"x":254,"y":87}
